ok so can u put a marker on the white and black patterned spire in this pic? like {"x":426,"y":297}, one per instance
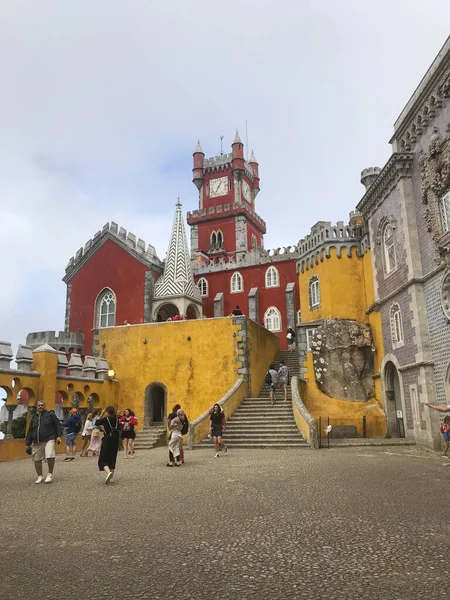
{"x":177,"y":279}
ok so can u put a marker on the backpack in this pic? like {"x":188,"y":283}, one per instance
{"x":268,"y":378}
{"x":185,"y":427}
{"x":76,"y":426}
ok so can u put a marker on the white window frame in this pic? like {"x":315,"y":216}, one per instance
{"x":272,"y":277}
{"x":309,"y":335}
{"x":110,"y":315}
{"x":203,"y":287}
{"x":275,"y":315}
{"x":299,"y":317}
{"x":390,"y":262}
{"x":314,"y":292}
{"x":444,"y":205}
{"x":395,"y":317}
{"x":236,"y":283}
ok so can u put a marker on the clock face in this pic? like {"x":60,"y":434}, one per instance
{"x":246,"y":192}
{"x":218,"y":187}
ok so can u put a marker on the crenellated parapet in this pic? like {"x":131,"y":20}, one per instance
{"x":324,"y":236}
{"x":213,"y":212}
{"x":144,"y":252}
{"x":62,"y":339}
{"x":254,"y":257}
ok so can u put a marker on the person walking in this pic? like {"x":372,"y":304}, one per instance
{"x":44,"y":431}
{"x":73,"y":425}
{"x":128,"y":422}
{"x":176,"y":439}
{"x":109,"y":424}
{"x":272,"y":381}
{"x":290,"y":337}
{"x":217,"y":427}
{"x":86,"y":435}
{"x":445,"y":430}
{"x":283,"y":378}
{"x":172,"y":416}
{"x":96,"y":435}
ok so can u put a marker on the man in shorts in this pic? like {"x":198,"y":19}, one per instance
{"x":43,"y":432}
{"x":273,"y":384}
{"x":73,"y":428}
{"x":283,"y":378}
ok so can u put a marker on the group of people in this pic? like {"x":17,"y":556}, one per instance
{"x":103,"y":435}
{"x":275,"y":379}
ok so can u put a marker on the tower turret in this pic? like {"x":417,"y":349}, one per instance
{"x":369,"y":175}
{"x":197,"y":171}
{"x":237,"y":162}
{"x":255,"y":168}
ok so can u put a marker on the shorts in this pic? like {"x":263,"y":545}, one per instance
{"x":283,"y":383}
{"x":128,"y":435}
{"x":290,"y":342}
{"x":216,"y":432}
{"x":43,"y":450}
{"x":446,"y":435}
{"x":71,"y":439}
{"x":272,"y":387}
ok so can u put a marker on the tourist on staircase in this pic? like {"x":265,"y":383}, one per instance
{"x":217,"y":427}
{"x":283,"y":378}
{"x":272,"y":381}
{"x":128,"y":422}
{"x":290,"y":336}
{"x":176,"y":439}
{"x":109,"y":424}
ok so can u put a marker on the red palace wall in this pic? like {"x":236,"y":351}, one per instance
{"x":227,"y":226}
{"x":111,"y":266}
{"x":253,"y":277}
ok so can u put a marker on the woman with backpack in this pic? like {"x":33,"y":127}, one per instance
{"x":128,"y":422}
{"x":176,"y":439}
{"x":290,"y":337}
{"x":109,"y":424}
{"x":217,"y":427}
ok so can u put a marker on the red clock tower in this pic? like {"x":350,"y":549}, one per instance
{"x":226,"y":222}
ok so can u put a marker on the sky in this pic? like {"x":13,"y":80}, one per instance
{"x":103,"y":101}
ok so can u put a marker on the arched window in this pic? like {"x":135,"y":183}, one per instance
{"x":213,"y":238}
{"x":272,"y":279}
{"x":272,"y":319}
{"x":237,"y":283}
{"x":219,"y":238}
{"x":445,"y":211}
{"x":396,"y":325}
{"x":106,"y":309}
{"x":202,"y":285}
{"x":390,"y":260}
{"x":314,"y":292}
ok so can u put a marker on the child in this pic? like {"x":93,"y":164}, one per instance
{"x":445,"y":430}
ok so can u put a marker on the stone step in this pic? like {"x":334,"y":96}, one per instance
{"x":266,"y":412}
{"x":259,"y":437}
{"x":263,"y":426}
{"x":263,"y":444}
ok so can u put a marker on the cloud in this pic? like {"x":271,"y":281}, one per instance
{"x":102,"y":104}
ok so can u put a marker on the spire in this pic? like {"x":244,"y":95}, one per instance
{"x":198,"y":148}
{"x":177,"y":279}
{"x":237,"y":139}
{"x":252,"y":158}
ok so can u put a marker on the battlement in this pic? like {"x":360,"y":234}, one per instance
{"x":223,"y":161}
{"x":146,"y":253}
{"x":202,"y":213}
{"x":256,"y":256}
{"x":63,"y":339}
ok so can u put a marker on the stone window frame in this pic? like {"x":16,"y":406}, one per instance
{"x":276,"y":314}
{"x":272,"y":277}
{"x":309,"y":335}
{"x":314,"y":292}
{"x":444,"y":208}
{"x":254,"y":241}
{"x":236,"y":289}
{"x":396,"y":322}
{"x":98,"y":309}
{"x":203,"y":287}
{"x":385,"y":223}
{"x":299,"y":317}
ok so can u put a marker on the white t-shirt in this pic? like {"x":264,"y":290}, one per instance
{"x":87,"y":430}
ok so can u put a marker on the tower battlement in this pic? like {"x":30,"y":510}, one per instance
{"x":216,"y":211}
{"x":254,"y":257}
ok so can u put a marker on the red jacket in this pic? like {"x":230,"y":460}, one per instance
{"x":131,"y":420}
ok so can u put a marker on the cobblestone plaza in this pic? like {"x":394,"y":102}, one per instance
{"x":346,"y":523}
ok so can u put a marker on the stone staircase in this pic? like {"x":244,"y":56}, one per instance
{"x":149,"y":437}
{"x":259,"y":424}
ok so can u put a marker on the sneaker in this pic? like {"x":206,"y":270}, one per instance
{"x":72,"y":458}
{"x":216,"y":455}
{"x":169,"y":464}
{"x":225,"y":450}
{"x":40,"y":479}
{"x":177,"y":464}
{"x":132,"y":456}
{"x":125,"y":456}
{"x":67,"y":459}
{"x":108,"y":478}
{"x":49,"y":478}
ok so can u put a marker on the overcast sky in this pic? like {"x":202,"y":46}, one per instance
{"x":102,"y":103}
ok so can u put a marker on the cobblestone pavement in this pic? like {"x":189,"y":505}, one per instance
{"x":347,"y":523}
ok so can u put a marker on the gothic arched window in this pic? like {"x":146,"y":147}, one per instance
{"x":390,"y":259}
{"x":213,"y":238}
{"x":219,"y":239}
{"x":272,"y":319}
{"x":237,"y":283}
{"x":396,"y":325}
{"x":272,"y":278}
{"x":202,"y":285}
{"x":106,"y":309}
{"x":314,"y":292}
{"x":445,"y":211}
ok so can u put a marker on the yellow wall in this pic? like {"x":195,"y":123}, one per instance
{"x":197,"y":372}
{"x":15,"y":448}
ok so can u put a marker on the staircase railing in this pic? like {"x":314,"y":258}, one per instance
{"x":305,"y":423}
{"x":199,"y":428}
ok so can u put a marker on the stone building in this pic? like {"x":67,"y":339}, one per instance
{"x":406,"y":211}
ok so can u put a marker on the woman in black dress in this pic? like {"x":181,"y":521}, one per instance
{"x":109,"y":424}
{"x":217,"y":427}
